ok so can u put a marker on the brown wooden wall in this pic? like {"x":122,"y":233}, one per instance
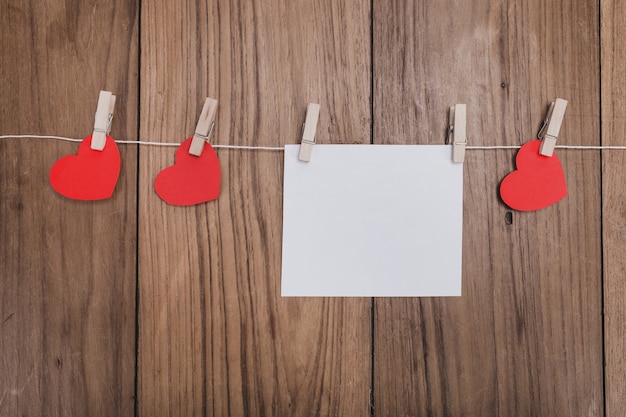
{"x":130,"y":306}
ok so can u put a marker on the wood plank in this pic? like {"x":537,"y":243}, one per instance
{"x":526,"y":336}
{"x":67,"y":304}
{"x":216,"y":338}
{"x":613,"y":49}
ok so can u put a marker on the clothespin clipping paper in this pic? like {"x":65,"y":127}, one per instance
{"x":457,"y":132}
{"x":308,"y":132}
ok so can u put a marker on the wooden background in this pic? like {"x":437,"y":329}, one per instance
{"x":129,"y":306}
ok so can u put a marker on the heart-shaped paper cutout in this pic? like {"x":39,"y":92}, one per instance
{"x":192,"y":179}
{"x":538,"y":181}
{"x":89,"y":175}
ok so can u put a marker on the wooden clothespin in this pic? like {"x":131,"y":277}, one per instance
{"x":204,"y":127}
{"x":552,"y":126}
{"x":308,"y":132}
{"x":102,"y":123}
{"x":457,"y":135}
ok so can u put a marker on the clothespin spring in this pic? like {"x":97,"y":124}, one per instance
{"x":208,"y":135}
{"x":450,"y":132}
{"x":306,"y":140}
{"x":107,"y":128}
{"x":540,"y":134}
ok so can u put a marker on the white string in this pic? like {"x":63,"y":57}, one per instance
{"x":590,"y":147}
{"x":282,"y":148}
{"x":261,"y":148}
{"x":140,"y":142}
{"x":557,"y":146}
{"x":493,"y":147}
{"x":40,"y":137}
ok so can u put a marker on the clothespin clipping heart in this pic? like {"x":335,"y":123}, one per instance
{"x":195,"y":176}
{"x":537,"y":183}
{"x":192,"y":179}
{"x":93,"y":172}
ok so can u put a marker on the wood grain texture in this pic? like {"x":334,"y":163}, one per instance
{"x":215,"y":336}
{"x":613,"y":48}
{"x":67,"y":304}
{"x":525,"y":338}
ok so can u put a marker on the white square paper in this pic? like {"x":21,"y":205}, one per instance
{"x":372,"y":220}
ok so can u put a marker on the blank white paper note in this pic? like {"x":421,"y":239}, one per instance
{"x":372,"y":221}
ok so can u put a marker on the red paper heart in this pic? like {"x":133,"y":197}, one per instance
{"x":192,"y":179}
{"x":89,"y":175}
{"x":537,"y":183}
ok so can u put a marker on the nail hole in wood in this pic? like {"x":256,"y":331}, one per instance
{"x":508,"y":218}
